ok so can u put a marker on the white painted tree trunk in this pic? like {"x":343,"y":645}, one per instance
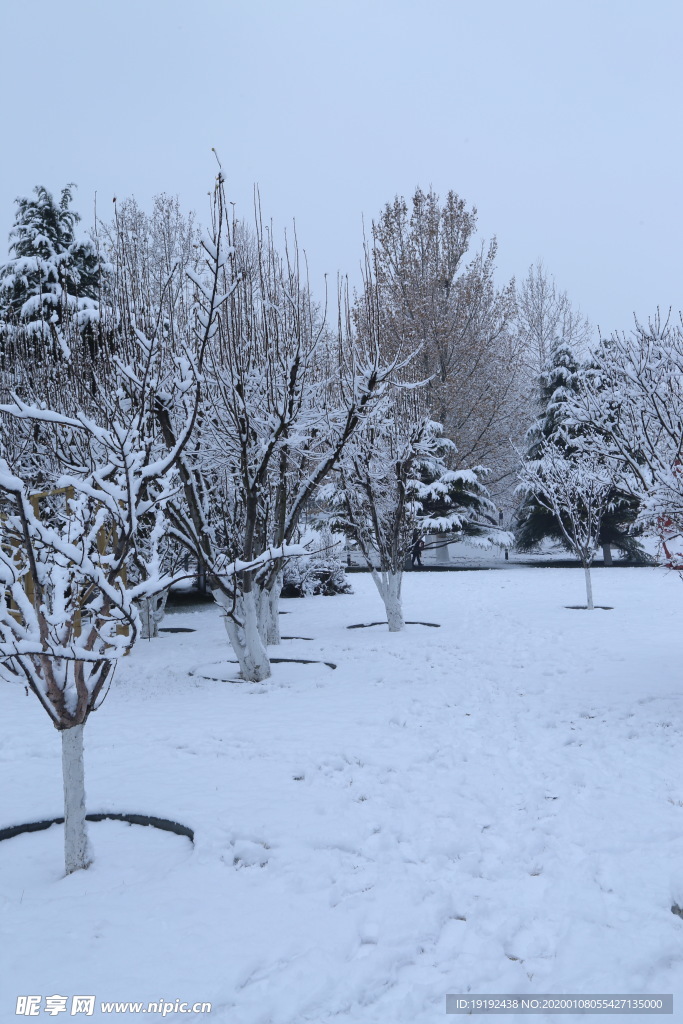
{"x":245,"y":639}
{"x":389,"y":586}
{"x":268,"y":613}
{"x":441,"y":553}
{"x":76,"y":846}
{"x":589,"y":586}
{"x":152,"y":611}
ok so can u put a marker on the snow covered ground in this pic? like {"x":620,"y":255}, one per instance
{"x":492,"y":806}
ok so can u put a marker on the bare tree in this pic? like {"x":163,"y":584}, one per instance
{"x":393,"y":485}
{"x":631,"y":406}
{"x":393,"y":481}
{"x":575,"y":487}
{"x":547,"y":321}
{"x":282,"y":396}
{"x":85,"y":436}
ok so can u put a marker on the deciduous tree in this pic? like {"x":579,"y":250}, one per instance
{"x":84,"y":434}
{"x":575,"y":488}
{"x":437,"y":295}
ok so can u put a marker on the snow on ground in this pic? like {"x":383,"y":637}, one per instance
{"x":493,"y":806}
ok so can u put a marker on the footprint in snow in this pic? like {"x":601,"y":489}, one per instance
{"x":247,"y":854}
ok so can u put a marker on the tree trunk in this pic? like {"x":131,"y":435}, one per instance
{"x":267,"y":602}
{"x":245,"y":638}
{"x":76,"y":846}
{"x":389,"y":586}
{"x":589,"y":586}
{"x":440,"y":552}
{"x":152,"y":611}
{"x":607,"y":554}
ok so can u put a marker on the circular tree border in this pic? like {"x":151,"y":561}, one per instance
{"x":585,"y":608}
{"x":366,"y":625}
{"x":132,"y":819}
{"x":198,"y":674}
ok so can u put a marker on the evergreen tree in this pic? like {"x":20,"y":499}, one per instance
{"x":50,"y":273}
{"x":559,"y":383}
{"x":457,"y":503}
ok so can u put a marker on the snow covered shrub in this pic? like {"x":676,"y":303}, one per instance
{"x":320,"y":573}
{"x":330,"y":578}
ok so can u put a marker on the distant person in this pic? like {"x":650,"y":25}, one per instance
{"x":417,"y":546}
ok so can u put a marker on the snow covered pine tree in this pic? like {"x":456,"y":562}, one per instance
{"x":51,"y":274}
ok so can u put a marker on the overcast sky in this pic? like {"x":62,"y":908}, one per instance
{"x":560,"y":120}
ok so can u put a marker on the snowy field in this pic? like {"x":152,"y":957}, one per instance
{"x":492,"y":806}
